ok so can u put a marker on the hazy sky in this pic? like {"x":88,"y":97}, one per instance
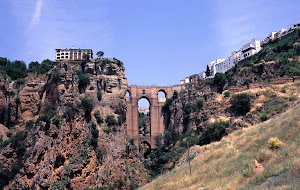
{"x":159,"y":41}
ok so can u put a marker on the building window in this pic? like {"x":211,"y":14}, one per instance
{"x":67,"y":57}
{"x":58,"y":58}
{"x":62,"y":57}
{"x":67,"y":53}
{"x":62,"y":53}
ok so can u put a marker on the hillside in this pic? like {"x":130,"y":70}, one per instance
{"x":243,"y":160}
{"x":256,"y":89}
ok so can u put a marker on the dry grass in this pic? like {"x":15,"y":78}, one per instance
{"x":230,"y":163}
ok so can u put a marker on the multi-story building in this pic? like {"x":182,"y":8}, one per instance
{"x":222,"y":65}
{"x":250,"y":48}
{"x":72,"y":54}
{"x":213,"y":66}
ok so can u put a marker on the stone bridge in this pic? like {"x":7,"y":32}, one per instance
{"x":156,"y":118}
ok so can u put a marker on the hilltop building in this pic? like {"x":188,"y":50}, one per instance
{"x":222,"y":65}
{"x":251,"y":48}
{"x":72,"y":54}
{"x":273,"y":36}
{"x":295,"y":26}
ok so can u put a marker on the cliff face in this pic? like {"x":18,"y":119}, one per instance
{"x":72,"y":125}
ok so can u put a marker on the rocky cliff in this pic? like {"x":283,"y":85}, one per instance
{"x":67,"y":129}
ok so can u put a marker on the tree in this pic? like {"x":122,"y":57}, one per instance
{"x":33,"y":67}
{"x":219,"y":81}
{"x":86,"y":57}
{"x":100,"y":54}
{"x":207,"y":72}
{"x":46,"y":66}
{"x":240,"y":103}
{"x":16,"y":69}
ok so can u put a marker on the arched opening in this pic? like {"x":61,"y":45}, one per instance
{"x":161,"y":94}
{"x":144,"y":118}
{"x":127,"y":94}
{"x":145,"y":148}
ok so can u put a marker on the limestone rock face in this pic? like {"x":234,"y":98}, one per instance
{"x":3,"y":91}
{"x":65,"y":145}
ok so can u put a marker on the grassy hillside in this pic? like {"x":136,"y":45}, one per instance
{"x":243,"y":159}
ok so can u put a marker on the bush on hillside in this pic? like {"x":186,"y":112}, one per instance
{"x":240,"y":103}
{"x":16,"y":69}
{"x":33,"y":67}
{"x":69,"y":111}
{"x":87,"y":104}
{"x":274,"y":143}
{"x":98,"y":117}
{"x":18,"y":83}
{"x":226,"y":94}
{"x":263,"y":117}
{"x":219,"y":81}
{"x":214,"y":132}
{"x":83,"y":79}
{"x":46,"y":66}
{"x":111,"y":120}
{"x":197,"y":104}
{"x":99,"y":96}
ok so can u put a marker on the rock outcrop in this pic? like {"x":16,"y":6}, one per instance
{"x":68,"y":141}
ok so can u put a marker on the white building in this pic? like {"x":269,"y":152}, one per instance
{"x":72,"y":54}
{"x":187,"y":80}
{"x":202,"y":75}
{"x":295,"y":26}
{"x":213,"y":66}
{"x":250,"y":48}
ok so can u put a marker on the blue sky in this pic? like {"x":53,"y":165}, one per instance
{"x":160,"y":42}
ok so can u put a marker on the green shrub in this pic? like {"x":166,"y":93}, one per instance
{"x":175,"y":95}
{"x":219,"y":81}
{"x":240,"y":103}
{"x":158,"y":140}
{"x":263,"y":117}
{"x":110,"y":120}
{"x":69,"y":111}
{"x":9,"y":134}
{"x":56,"y":121}
{"x":16,"y":69}
{"x":87,"y":104}
{"x":99,"y":96}
{"x":33,"y":67}
{"x":283,"y":89}
{"x":98,"y":117}
{"x":197,"y":105}
{"x":83,"y":79}
{"x":46,"y":66}
{"x":247,"y":81}
{"x":29,"y":124}
{"x":119,"y":63}
{"x":274,"y":143}
{"x":120,"y":120}
{"x":18,"y":83}
{"x":226,"y":94}
{"x":55,"y":76}
{"x":214,"y":132}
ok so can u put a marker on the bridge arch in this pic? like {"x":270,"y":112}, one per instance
{"x":156,"y":118}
